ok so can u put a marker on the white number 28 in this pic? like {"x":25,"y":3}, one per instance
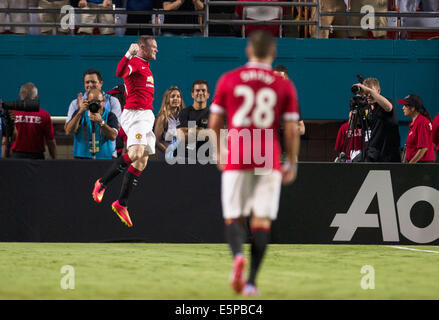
{"x":264,"y":101}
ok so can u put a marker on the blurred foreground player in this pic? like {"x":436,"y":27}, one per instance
{"x":255,"y":101}
{"x":137,"y":121}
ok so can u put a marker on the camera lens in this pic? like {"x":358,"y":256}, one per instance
{"x":93,"y":107}
{"x":355,"y":89}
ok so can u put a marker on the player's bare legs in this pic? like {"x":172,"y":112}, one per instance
{"x":260,"y":229}
{"x":139,"y":156}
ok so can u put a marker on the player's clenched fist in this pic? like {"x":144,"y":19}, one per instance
{"x":133,"y":49}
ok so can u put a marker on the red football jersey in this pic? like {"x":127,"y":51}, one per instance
{"x":255,"y":101}
{"x":419,"y":136}
{"x":354,"y":145}
{"x":139,"y":83}
{"x":32,"y":129}
{"x":435,"y":134}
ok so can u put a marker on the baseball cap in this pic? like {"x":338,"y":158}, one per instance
{"x":412,"y":100}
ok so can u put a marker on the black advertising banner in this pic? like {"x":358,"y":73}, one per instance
{"x":328,"y":203}
{"x":361,"y":204}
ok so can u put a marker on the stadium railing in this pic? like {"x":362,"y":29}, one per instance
{"x":207,"y":21}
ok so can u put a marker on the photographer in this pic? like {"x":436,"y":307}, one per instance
{"x":93,"y":122}
{"x":92,"y":79}
{"x":383,"y":144}
{"x":34,"y":129}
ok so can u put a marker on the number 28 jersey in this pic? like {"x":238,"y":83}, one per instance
{"x":255,"y":101}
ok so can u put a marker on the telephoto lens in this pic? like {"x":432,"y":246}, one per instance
{"x":21,"y":105}
{"x":356,"y":89}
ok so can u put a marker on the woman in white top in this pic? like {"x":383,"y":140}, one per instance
{"x":166,"y":123}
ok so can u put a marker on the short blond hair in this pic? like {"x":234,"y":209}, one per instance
{"x":372,"y":82}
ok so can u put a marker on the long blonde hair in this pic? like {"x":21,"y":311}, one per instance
{"x":165,"y":109}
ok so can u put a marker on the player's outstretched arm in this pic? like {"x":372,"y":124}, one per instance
{"x":122,"y":68}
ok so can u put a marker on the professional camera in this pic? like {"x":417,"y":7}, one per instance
{"x":358,"y":120}
{"x":21,"y":105}
{"x":359,"y":101}
{"x":18,"y":105}
{"x":94,"y":106}
{"x":356,"y":89}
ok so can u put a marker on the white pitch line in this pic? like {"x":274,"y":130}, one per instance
{"x":412,"y":249}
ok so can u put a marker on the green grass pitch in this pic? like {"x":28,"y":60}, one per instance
{"x":201,"y":271}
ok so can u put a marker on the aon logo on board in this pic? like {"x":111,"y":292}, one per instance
{"x":379,"y":183}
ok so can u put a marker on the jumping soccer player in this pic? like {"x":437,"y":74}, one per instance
{"x":137,"y":121}
{"x":254,"y":100}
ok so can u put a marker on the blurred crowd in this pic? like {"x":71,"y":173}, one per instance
{"x":191,"y":7}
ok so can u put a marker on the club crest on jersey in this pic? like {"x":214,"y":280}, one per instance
{"x":150,"y":79}
{"x":138,"y":136}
